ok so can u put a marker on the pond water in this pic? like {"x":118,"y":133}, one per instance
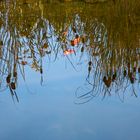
{"x":69,"y":71}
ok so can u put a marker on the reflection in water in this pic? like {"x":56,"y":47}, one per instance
{"x":106,"y":35}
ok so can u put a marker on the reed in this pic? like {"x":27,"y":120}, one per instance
{"x":107,"y":33}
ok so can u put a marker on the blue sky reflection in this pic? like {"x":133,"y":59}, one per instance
{"x":49,"y":112}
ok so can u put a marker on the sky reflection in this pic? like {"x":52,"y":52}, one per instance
{"x":49,"y":112}
{"x":40,"y":33}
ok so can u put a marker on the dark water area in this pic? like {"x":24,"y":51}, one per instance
{"x":69,"y":70}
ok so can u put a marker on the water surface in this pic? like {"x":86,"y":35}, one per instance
{"x":69,"y":70}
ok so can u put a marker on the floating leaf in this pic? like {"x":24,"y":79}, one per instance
{"x":45,"y":46}
{"x":13,"y":85}
{"x":67,"y":52}
{"x":15,"y":74}
{"x":75,"y":41}
{"x":8,"y":78}
{"x":23,"y":62}
{"x":65,"y":33}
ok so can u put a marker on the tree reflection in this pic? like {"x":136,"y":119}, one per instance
{"x":110,"y":41}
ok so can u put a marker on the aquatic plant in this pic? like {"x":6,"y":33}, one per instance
{"x":109,"y":38}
